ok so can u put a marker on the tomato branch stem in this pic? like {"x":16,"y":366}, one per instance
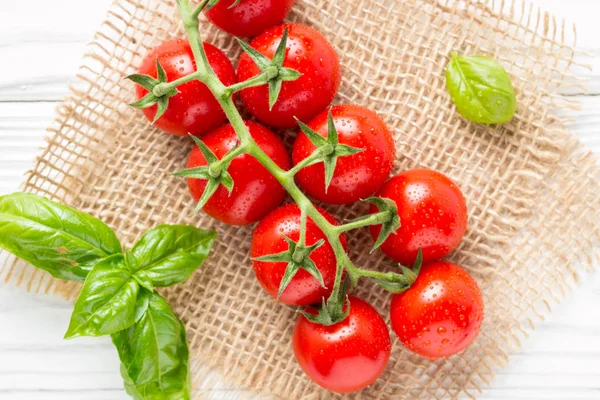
{"x":247,"y":145}
{"x":163,"y":88}
{"x":366,"y":220}
{"x":261,"y":79}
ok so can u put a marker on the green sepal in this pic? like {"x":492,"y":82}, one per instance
{"x":196,"y":173}
{"x":262,"y":62}
{"x":297,"y":257}
{"x":213,"y":182}
{"x":390,"y":226}
{"x":144,"y":81}
{"x":235,"y":3}
{"x":288,"y":74}
{"x":210,"y":189}
{"x":274,"y":91}
{"x":334,"y":310}
{"x":401,"y":283}
{"x":206,"y":5}
{"x":328,"y":148}
{"x":149,"y":83}
{"x":206,"y":152}
{"x":145,"y":102}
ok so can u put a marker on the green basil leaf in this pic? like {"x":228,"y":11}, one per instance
{"x":168,"y":254}
{"x":481,"y":89}
{"x":154,"y":354}
{"x":108,"y":302}
{"x":58,"y":239}
{"x":152,"y":392}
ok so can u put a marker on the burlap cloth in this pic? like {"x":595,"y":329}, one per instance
{"x":532,"y":190}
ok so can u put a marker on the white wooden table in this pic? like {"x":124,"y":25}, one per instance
{"x":41,"y":43}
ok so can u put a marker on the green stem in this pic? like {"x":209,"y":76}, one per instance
{"x":367,"y":220}
{"x":224,"y":94}
{"x":163,"y":88}
{"x":261,"y":79}
{"x":302,"y":239}
{"x":315,"y":157}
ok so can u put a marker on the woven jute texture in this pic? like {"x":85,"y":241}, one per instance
{"x":532,"y":190}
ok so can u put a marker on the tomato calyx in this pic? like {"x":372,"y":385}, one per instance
{"x":333,"y":310}
{"x":208,"y":4}
{"x":159,"y":91}
{"x":328,"y":149}
{"x":298,"y":257}
{"x":215,"y":172}
{"x":391,"y":225}
{"x":272,"y":71}
{"x":401,"y":283}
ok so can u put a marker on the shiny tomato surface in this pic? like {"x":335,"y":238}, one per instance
{"x":249,"y":17}
{"x":309,"y":53}
{"x":194,"y":110}
{"x":357,"y":176}
{"x":345,"y":357}
{"x":440,"y":315}
{"x":268,"y":238}
{"x":433,"y":213}
{"x":256,"y":192}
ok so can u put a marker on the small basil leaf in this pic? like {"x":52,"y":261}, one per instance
{"x":154,"y":352}
{"x":58,"y":239}
{"x":168,"y":254}
{"x":481,"y":89}
{"x":108,"y":300}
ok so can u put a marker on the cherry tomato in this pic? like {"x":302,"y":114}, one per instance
{"x":441,"y":313}
{"x":357,"y":176}
{"x":194,"y":110}
{"x":256,"y":192}
{"x":249,"y":17}
{"x":309,"y":53}
{"x":268,"y":238}
{"x":345,"y":357}
{"x":433,"y":213}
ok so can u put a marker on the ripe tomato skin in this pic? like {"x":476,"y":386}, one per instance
{"x":309,"y":53}
{"x":433,"y":213}
{"x":194,"y":110}
{"x":250,"y":17}
{"x":268,"y":238}
{"x":357,"y":176}
{"x":345,"y":357}
{"x":440,"y":315}
{"x":256,"y":192}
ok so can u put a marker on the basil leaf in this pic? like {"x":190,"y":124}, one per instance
{"x":58,"y":239}
{"x":108,"y":302}
{"x":169,"y":254}
{"x":481,"y":89}
{"x":151,"y":392}
{"x":154,"y":354}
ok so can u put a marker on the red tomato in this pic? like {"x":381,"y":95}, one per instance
{"x":194,"y":110}
{"x":268,"y":238}
{"x":357,"y":176}
{"x":249,"y":17}
{"x":345,"y":357}
{"x":256,"y":192}
{"x":433,"y":213}
{"x":441,"y":313}
{"x":309,"y":53}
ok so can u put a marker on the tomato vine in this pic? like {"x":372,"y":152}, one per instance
{"x":328,"y":150}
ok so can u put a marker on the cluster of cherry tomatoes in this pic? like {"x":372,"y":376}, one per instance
{"x":440,"y":314}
